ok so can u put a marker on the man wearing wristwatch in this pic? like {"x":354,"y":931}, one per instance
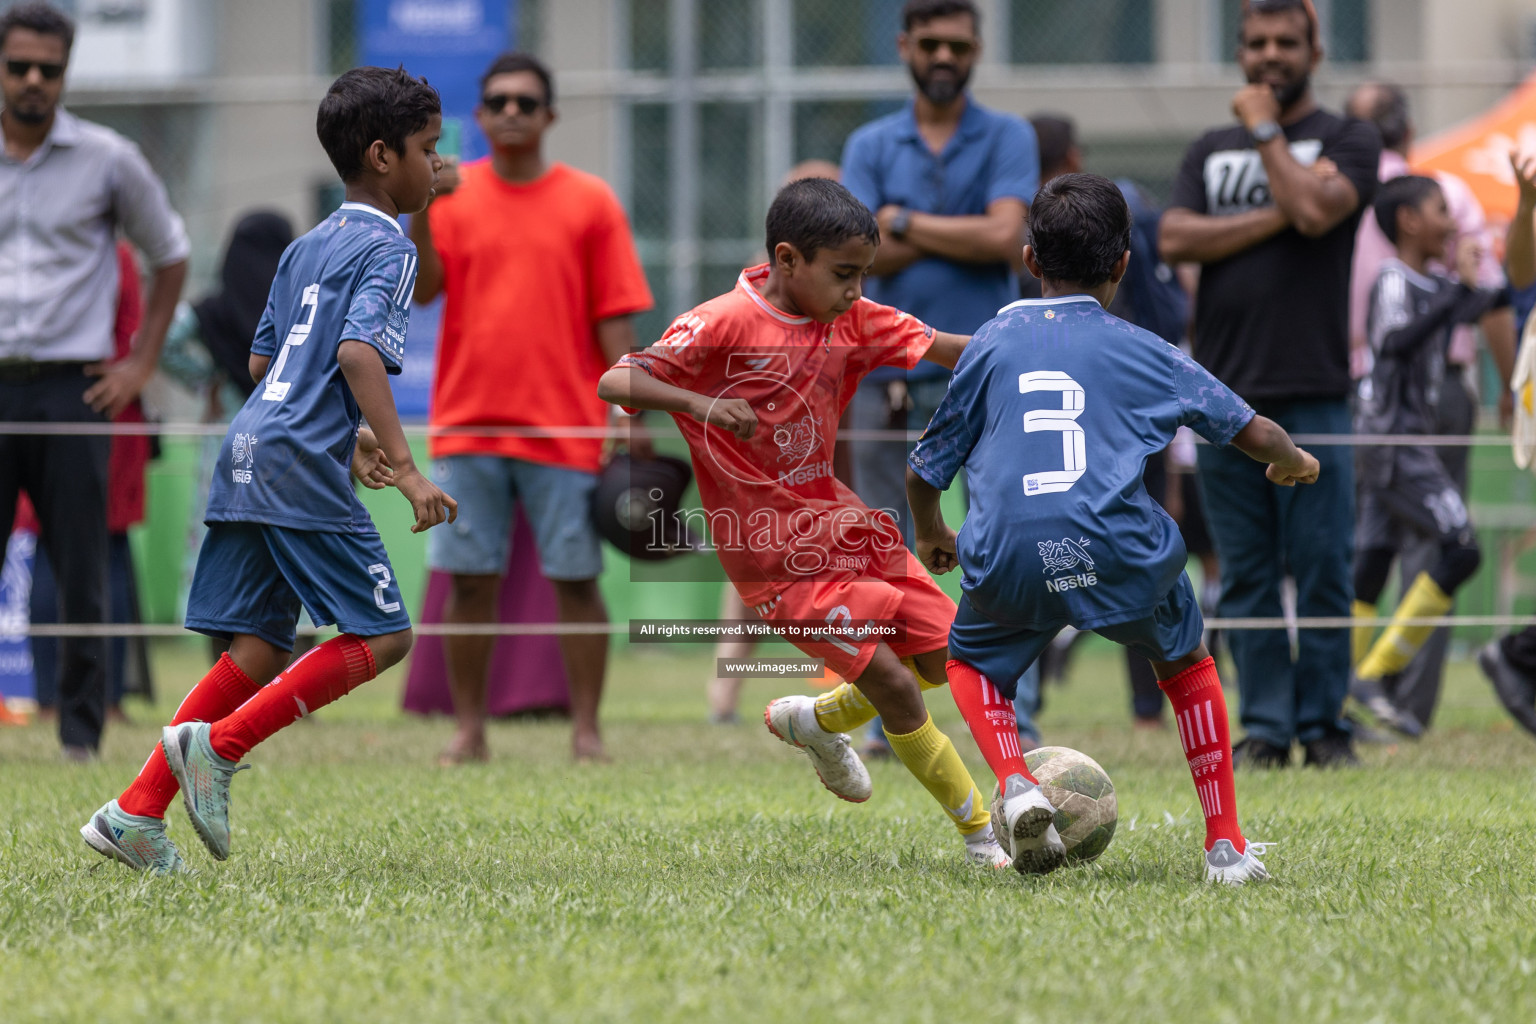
{"x":1269,"y":209}
{"x":950,"y":183}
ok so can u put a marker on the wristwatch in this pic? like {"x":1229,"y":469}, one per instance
{"x":1264,"y":131}
{"x":901,"y":220}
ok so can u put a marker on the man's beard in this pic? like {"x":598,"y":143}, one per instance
{"x":34,"y":113}
{"x":942,"y":91}
{"x":1288,"y":95}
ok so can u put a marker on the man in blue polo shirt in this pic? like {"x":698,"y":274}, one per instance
{"x":950,"y":183}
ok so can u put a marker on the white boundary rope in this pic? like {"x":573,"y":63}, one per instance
{"x":619,"y":433}
{"x":109,"y":629}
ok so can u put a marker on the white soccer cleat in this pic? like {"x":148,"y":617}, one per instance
{"x":1225,"y":865}
{"x":1025,"y":821}
{"x":793,"y":720}
{"x":987,"y":852}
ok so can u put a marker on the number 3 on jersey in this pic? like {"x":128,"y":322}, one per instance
{"x":1073,"y":448}
{"x":277,"y":390}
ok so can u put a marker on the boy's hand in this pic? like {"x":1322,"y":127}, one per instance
{"x":1525,"y":176}
{"x":731,"y":414}
{"x":1300,"y":469}
{"x":430,"y":502}
{"x":1325,"y":168}
{"x":937,"y":553}
{"x":1469,"y":255}
{"x":369,"y":463}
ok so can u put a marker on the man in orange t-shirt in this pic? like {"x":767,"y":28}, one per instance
{"x":541,"y":279}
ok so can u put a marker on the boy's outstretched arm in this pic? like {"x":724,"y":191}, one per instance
{"x":363,"y":368}
{"x":946,"y":349}
{"x":1266,"y":441}
{"x":935,"y":541}
{"x":633,"y":388}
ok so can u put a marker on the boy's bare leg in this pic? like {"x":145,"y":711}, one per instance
{"x":586,"y":664}
{"x":471,"y":600}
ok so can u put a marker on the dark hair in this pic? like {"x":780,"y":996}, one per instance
{"x":1056,"y":136}
{"x":1389,"y":113}
{"x":366,"y":104}
{"x":1079,"y":226}
{"x":44,"y":19}
{"x":817,"y":213}
{"x":1251,"y":7}
{"x":918,"y":12}
{"x":511,"y":63}
{"x":1410,"y":190}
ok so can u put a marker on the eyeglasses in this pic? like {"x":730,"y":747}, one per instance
{"x":959,"y":47}
{"x":22,"y":68}
{"x":497,"y":102}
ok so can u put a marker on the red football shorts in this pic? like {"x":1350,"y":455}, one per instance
{"x":898,"y":592}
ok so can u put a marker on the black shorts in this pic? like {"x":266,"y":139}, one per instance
{"x":1417,"y":498}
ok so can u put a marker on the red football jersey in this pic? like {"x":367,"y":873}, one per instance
{"x":777,"y":515}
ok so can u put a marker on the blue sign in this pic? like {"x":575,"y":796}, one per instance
{"x":450,"y":43}
{"x":15,"y":616}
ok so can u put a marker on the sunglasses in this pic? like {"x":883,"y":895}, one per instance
{"x":959,"y":47}
{"x":497,"y":102}
{"x":22,"y":68}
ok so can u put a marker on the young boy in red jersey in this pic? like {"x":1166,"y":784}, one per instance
{"x":1053,"y":411}
{"x":285,"y":527}
{"x":756,"y":380}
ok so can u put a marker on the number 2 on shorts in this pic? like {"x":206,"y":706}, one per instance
{"x":1073,"y":448}
{"x":382,"y":579}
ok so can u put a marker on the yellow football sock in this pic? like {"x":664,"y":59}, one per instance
{"x":843,"y":708}
{"x":1398,"y":643}
{"x":930,"y":756}
{"x":1360,"y":636}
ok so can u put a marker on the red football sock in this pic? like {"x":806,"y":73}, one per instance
{"x":1200,"y":710}
{"x":325,"y":673}
{"x":991,"y":719}
{"x":222,"y":690}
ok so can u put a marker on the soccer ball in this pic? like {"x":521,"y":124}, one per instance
{"x":1084,"y":798}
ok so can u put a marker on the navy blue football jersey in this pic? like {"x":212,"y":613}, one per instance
{"x":286,"y":460}
{"x":1053,"y":410}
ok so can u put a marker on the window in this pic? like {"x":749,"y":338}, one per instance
{"x":1081,"y":31}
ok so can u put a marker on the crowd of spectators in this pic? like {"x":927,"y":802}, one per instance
{"x":1262,"y":265}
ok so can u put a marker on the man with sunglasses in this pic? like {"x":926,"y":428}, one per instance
{"x":66,"y":187}
{"x":541,"y":278}
{"x":950,"y":183}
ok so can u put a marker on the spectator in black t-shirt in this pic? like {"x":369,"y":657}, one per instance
{"x":1269,"y":208}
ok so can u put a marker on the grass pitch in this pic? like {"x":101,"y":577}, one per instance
{"x":706,"y":875}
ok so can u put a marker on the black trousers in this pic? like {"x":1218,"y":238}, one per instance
{"x":1417,"y":689}
{"x":66,"y":478}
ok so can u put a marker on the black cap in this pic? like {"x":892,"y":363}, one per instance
{"x":634,"y":506}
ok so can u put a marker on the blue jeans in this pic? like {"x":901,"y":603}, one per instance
{"x":880,"y":467}
{"x":1262,"y":532}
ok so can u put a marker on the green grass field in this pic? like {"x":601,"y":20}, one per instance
{"x":706,"y":875}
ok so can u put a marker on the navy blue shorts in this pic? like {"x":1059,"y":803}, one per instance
{"x":1003,"y":652}
{"x":252,"y":578}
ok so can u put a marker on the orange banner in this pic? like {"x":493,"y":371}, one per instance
{"x":1478,"y":151}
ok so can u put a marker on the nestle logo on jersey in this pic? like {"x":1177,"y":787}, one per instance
{"x":805,"y":474}
{"x":242,"y":456}
{"x":1064,"y":556}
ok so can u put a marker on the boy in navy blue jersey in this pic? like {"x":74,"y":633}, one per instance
{"x":1053,"y":410}
{"x":285,"y":527}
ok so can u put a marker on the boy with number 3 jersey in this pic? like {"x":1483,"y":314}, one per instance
{"x":285,"y":527}
{"x":756,"y":380}
{"x":1054,"y":408}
